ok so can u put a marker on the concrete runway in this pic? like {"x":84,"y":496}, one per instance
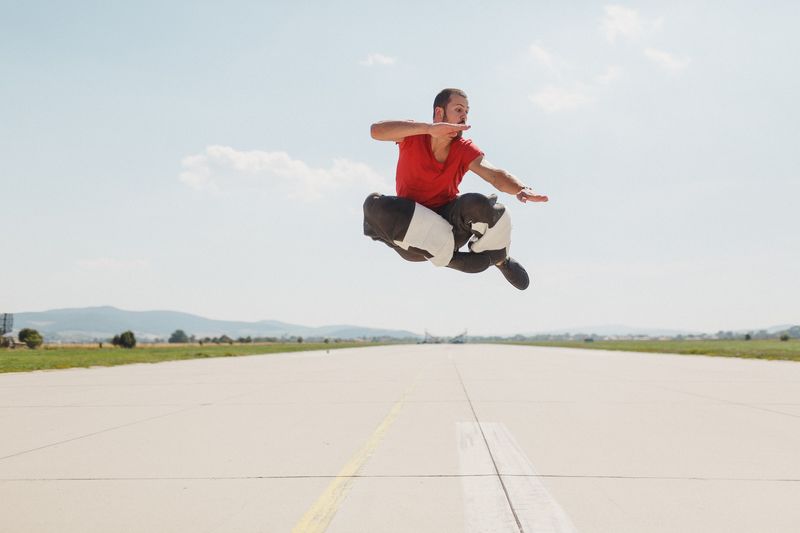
{"x":412,"y":439}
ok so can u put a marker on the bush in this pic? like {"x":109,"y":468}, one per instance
{"x":124,"y":340}
{"x":785,"y":337}
{"x":30,"y":337}
{"x":178,"y":336}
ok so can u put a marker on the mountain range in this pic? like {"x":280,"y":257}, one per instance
{"x":100,"y":323}
{"x":628,"y":331}
{"x":618,"y":329}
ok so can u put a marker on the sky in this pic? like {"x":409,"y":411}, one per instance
{"x":213,"y":158}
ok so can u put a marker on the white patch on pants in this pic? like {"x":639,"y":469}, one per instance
{"x":495,"y":238}
{"x":430,"y":232}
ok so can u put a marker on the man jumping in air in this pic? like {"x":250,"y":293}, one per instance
{"x":428,"y":220}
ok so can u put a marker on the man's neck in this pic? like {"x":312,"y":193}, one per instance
{"x":440,"y":142}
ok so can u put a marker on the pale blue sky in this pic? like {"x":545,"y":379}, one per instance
{"x":212,"y":158}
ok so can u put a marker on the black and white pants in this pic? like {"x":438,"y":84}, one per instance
{"x":418,"y":233}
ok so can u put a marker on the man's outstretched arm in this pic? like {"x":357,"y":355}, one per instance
{"x":504,"y":181}
{"x":397,"y":130}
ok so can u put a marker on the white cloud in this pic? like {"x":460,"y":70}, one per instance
{"x":110,"y":264}
{"x":621,"y":21}
{"x":553,"y":99}
{"x":656,"y":24}
{"x":223,"y":167}
{"x":612,"y":73}
{"x":542,"y":56}
{"x":377,"y":59}
{"x":561,"y":94}
{"x":666,"y":60}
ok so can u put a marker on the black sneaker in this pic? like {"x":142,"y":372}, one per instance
{"x":514,"y":273}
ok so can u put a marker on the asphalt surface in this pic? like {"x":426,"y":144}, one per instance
{"x":436,"y":438}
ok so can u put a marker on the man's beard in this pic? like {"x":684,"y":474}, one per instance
{"x":460,"y":133}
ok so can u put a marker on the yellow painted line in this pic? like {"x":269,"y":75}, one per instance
{"x":319,"y":516}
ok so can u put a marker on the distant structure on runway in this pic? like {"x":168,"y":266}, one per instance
{"x":432,"y":339}
{"x":459,"y":339}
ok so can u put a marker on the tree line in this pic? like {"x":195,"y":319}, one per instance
{"x":181,"y":337}
{"x":33,"y":339}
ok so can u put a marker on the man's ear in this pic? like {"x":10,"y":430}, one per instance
{"x":438,"y":114}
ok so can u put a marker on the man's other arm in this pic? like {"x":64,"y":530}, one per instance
{"x":504,"y":181}
{"x":397,"y":130}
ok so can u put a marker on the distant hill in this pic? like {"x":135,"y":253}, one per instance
{"x":778,"y":329}
{"x":627,"y":331}
{"x":100,"y":323}
{"x":620,"y":330}
{"x":92,"y":323}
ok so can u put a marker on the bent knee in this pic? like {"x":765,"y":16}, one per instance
{"x":476,"y":199}
{"x":388,"y":216}
{"x":481,"y":209}
{"x":384,"y":204}
{"x":371,"y":201}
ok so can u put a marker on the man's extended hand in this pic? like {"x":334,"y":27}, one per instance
{"x":527,"y":195}
{"x":445,"y":129}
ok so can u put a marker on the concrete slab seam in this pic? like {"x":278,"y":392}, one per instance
{"x":320,"y":514}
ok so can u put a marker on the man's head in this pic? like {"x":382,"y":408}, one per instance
{"x":451,"y":105}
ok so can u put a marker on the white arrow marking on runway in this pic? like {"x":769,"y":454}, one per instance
{"x":486,"y":506}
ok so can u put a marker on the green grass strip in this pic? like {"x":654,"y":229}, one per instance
{"x":753,"y":349}
{"x":51,"y":357}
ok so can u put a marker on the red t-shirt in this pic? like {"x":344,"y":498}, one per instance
{"x":420,"y":177}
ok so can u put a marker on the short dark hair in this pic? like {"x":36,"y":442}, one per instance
{"x":443,"y":98}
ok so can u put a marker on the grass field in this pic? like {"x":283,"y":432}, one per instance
{"x":23,"y":359}
{"x":51,"y":357}
{"x":753,"y":349}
